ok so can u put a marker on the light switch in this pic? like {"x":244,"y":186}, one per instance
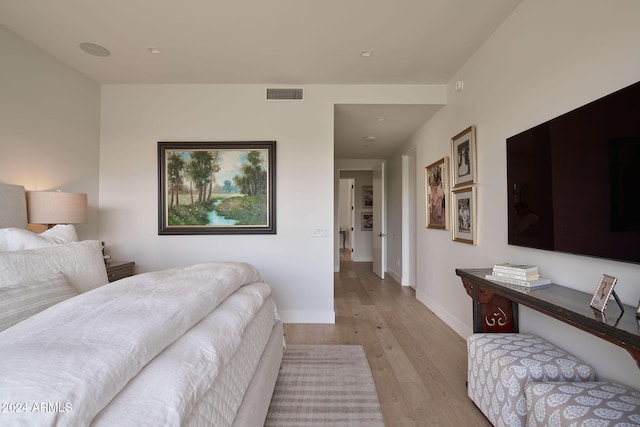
{"x":320,"y":231}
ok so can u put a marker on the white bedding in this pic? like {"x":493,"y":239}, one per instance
{"x":80,"y":262}
{"x":219,"y":405}
{"x":64,"y":365}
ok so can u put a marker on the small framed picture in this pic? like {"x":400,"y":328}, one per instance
{"x":436,"y":179}
{"x":463,"y":157}
{"x":603,"y":292}
{"x":367,"y":197}
{"x":463,"y":213}
{"x":367,"y":221}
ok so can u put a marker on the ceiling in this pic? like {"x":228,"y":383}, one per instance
{"x":390,"y":125}
{"x":292,"y":42}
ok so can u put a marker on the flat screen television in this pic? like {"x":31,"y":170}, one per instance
{"x":574,"y":181}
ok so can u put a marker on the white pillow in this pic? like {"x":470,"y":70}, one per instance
{"x":17,"y":239}
{"x":21,"y":301}
{"x":81,"y":262}
{"x":61,"y":233}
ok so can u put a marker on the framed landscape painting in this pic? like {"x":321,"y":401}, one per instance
{"x":216,"y":187}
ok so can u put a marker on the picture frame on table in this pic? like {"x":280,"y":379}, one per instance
{"x":216,"y":188}
{"x":436,"y":180}
{"x":463,"y":157}
{"x":603,"y":292}
{"x":367,"y":221}
{"x":367,"y":197}
{"x":463,"y":214}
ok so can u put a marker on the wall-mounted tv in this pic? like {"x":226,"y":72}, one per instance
{"x":574,"y":181}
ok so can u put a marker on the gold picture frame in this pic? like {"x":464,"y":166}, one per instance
{"x":367,"y":197}
{"x":463,"y":215}
{"x":436,"y":182}
{"x":603,"y":292}
{"x":366,"y":223}
{"x":463,"y":157}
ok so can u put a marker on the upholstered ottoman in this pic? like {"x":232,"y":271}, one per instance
{"x":500,"y":366}
{"x":582,"y":404}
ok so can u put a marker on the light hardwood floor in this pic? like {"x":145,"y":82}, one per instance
{"x":419,"y":364}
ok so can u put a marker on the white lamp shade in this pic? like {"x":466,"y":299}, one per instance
{"x":55,"y":207}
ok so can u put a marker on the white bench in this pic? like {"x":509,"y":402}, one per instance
{"x":501,"y":365}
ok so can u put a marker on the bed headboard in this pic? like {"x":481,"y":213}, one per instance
{"x":13,"y":206}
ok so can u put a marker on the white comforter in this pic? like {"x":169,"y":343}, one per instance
{"x":66,"y":364}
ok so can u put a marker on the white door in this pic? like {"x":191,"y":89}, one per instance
{"x":352,"y":218}
{"x":379,"y":229}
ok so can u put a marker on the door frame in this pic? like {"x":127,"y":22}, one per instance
{"x":378,"y":239}
{"x":409,"y":218}
{"x":346,"y":165}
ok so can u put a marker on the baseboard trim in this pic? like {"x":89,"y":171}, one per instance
{"x":453,"y":322}
{"x":395,"y":277}
{"x":303,"y":316}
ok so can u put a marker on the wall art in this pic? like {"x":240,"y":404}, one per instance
{"x":463,"y":157}
{"x":216,"y":187}
{"x":463,"y":212}
{"x":436,"y":183}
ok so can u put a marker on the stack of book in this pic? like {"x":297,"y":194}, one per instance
{"x":517,"y":274}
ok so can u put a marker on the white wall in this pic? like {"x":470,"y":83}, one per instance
{"x":547,"y":58}
{"x":298,"y":266}
{"x":49,"y":125}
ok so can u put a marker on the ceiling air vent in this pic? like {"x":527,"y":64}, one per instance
{"x":287,"y":94}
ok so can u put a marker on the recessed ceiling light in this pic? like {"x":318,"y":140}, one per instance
{"x":94,"y":49}
{"x":370,"y":138}
{"x":153,"y":50}
{"x":366,"y":53}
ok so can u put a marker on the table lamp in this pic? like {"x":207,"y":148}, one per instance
{"x":56,"y":207}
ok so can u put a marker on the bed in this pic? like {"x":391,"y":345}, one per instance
{"x":198,"y":345}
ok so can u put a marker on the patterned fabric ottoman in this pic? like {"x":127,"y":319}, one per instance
{"x":582,"y":404}
{"x":500,"y":365}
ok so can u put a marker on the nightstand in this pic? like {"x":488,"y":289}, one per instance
{"x":117,"y":270}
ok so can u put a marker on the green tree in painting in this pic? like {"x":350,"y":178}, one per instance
{"x":215,"y":168}
{"x":201,"y":169}
{"x":195,"y":170}
{"x":175,"y":166}
{"x":228,"y":187}
{"x":253,"y":180}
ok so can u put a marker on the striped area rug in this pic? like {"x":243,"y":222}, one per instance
{"x":324,"y":385}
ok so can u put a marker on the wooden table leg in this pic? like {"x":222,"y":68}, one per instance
{"x":491,"y":312}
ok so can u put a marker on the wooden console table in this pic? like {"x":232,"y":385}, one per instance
{"x":495,"y":309}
